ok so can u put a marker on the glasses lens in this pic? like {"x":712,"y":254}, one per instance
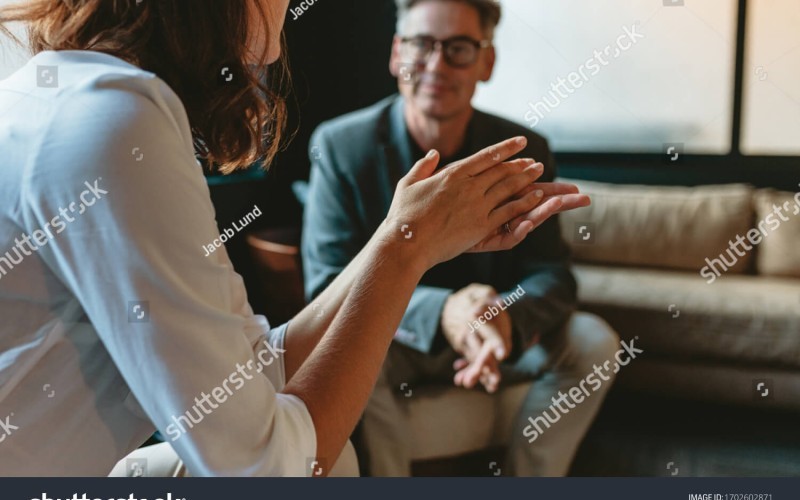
{"x":461,"y":52}
{"x":417,"y":49}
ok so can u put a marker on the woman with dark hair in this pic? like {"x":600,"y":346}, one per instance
{"x":115,"y":320}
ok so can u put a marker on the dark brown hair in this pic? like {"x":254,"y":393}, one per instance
{"x":488,"y":10}
{"x":186,"y":43}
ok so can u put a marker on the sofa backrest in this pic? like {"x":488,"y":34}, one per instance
{"x":659,"y":226}
{"x":779,"y":253}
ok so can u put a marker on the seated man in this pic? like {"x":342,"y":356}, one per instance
{"x":501,"y":317}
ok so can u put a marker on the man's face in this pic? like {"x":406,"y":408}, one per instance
{"x":437,"y":89}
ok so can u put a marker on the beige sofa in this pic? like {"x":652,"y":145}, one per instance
{"x":705,"y":337}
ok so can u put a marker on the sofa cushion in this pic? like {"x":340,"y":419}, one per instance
{"x":659,"y":226}
{"x":747,"y":320}
{"x":778,"y":253}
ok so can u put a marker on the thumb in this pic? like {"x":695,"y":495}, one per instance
{"x":423,"y":168}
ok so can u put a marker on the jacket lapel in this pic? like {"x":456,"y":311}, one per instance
{"x":393,"y":150}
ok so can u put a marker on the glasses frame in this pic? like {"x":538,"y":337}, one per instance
{"x":444,"y":44}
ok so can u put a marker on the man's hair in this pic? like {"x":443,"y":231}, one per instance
{"x":488,"y":10}
{"x":185,"y":43}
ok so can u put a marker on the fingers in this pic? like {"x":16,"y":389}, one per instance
{"x":553,"y":206}
{"x":489,"y":374}
{"x":504,"y":170}
{"x":489,"y":157}
{"x":501,"y":240}
{"x":515,"y":208}
{"x":568,"y":202}
{"x":472,"y":345}
{"x":510,"y":185}
{"x":490,"y":335}
{"x":573,"y":201}
{"x":490,"y":377}
{"x":460,"y":364}
{"x":423,"y":169}
{"x":470,"y":375}
{"x":555,"y":188}
{"x":479,"y":292}
{"x":548,"y":189}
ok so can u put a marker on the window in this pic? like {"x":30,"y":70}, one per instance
{"x":771,"y":107}
{"x":623,"y":77}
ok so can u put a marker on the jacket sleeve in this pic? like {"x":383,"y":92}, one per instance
{"x":332,"y":228}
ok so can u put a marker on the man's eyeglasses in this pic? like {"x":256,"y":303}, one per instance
{"x":458,"y":51}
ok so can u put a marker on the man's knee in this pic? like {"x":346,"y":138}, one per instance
{"x":592,"y":339}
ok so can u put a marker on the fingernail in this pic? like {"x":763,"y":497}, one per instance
{"x":431,"y":154}
{"x":521,"y":140}
{"x":538,"y":193}
{"x":539,"y":166}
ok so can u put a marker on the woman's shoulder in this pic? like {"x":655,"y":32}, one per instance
{"x":94,"y":105}
{"x":98,"y":116}
{"x":90,"y":84}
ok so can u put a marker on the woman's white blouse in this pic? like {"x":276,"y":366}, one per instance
{"x":113,"y":319}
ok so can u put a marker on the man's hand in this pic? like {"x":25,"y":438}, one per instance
{"x":482,"y":335}
{"x":555,"y":198}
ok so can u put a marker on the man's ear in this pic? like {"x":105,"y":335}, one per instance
{"x":394,"y":59}
{"x":488,"y":65}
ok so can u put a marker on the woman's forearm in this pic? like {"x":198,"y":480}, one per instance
{"x":309,"y":325}
{"x":337,"y":378}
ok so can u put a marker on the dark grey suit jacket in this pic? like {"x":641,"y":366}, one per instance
{"x":357,"y":160}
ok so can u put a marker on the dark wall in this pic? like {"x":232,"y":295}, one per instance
{"x":338,"y":53}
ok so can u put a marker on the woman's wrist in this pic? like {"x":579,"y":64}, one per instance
{"x":398,"y":242}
